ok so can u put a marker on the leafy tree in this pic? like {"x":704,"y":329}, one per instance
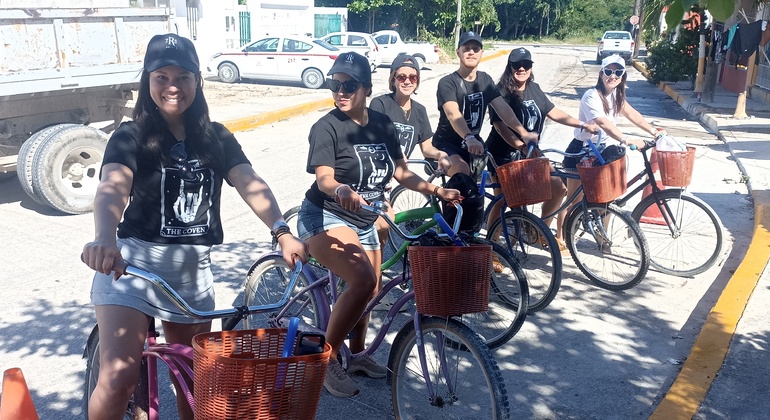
{"x":677,"y":60}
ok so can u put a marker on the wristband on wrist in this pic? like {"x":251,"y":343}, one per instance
{"x":283,"y":230}
{"x":623,"y":141}
{"x":337,"y":190}
{"x":278,"y":224}
{"x":435,"y":190}
{"x":654,"y":131}
{"x":581,"y":125}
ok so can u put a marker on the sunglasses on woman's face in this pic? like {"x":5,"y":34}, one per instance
{"x":617,"y":72}
{"x":413,"y":78}
{"x":519,"y":64}
{"x":350,"y":86}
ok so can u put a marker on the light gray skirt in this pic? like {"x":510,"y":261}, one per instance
{"x":186,"y":268}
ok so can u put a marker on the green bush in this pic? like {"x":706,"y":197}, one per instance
{"x":674,"y":61}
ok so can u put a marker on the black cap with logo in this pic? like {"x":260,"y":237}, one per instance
{"x":468,"y":37}
{"x":519,"y":54}
{"x":171,"y":50}
{"x":354,"y":65}
{"x":404,"y":60}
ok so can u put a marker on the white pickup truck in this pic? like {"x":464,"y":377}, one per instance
{"x":391,"y":45}
{"x":615,"y":42}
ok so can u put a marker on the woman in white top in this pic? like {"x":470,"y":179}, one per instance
{"x":601,"y":105}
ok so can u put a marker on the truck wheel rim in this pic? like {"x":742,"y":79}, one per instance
{"x":80,"y":170}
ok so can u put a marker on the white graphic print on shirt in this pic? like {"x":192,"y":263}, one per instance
{"x":531,"y":115}
{"x":405,"y":137}
{"x":181,"y":202}
{"x":475,"y":103}
{"x":375,"y":166}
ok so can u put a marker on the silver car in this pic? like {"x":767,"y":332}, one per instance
{"x":280,"y":58}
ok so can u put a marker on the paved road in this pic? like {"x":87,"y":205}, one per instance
{"x":591,"y":354}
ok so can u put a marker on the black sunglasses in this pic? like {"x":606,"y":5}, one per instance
{"x":350,"y":86}
{"x":179,"y":155}
{"x":609,"y":72}
{"x":519,"y":64}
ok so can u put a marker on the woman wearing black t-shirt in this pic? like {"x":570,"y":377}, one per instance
{"x":463,"y":97}
{"x":517,"y":86}
{"x":162,"y":174}
{"x":353,"y":153}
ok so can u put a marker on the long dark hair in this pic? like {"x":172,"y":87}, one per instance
{"x":620,"y":94}
{"x":154,"y":130}
{"x":508,"y":87}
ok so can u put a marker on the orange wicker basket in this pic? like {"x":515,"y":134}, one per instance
{"x":525,"y":182}
{"x":676,"y":167}
{"x":240,"y":375}
{"x":604,"y":183}
{"x":451,"y":280}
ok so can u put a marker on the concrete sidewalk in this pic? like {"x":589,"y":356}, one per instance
{"x":729,"y":363}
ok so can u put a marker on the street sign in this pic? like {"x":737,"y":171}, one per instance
{"x":634,"y":20}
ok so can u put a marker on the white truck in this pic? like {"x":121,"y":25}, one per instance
{"x":391,"y":45}
{"x":615,"y":42}
{"x":63,"y":71}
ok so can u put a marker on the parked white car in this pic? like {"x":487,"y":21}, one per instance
{"x":391,"y":45}
{"x":281,"y":58}
{"x":615,"y":42}
{"x":359,"y":42}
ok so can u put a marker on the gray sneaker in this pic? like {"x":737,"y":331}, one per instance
{"x":368,"y":366}
{"x":337,"y":381}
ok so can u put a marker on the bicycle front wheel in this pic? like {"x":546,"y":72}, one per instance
{"x":535,"y":249}
{"x":607,"y":245}
{"x":266,"y":283}
{"x":684,"y":233}
{"x":465,"y":379}
{"x":138,"y":407}
{"x":402,"y":199}
{"x":508,"y":297}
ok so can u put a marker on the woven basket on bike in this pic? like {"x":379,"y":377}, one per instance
{"x":240,"y":375}
{"x":676,"y":167}
{"x":525,"y":182}
{"x":450,"y":280}
{"x":603,"y":183}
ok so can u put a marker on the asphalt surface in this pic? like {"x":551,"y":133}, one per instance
{"x":591,"y":354}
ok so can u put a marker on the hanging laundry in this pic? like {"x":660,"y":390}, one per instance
{"x":746,"y":39}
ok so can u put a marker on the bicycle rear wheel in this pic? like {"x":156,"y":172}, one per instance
{"x":466,"y":380}
{"x":138,"y":405}
{"x":607,"y":245}
{"x":508,"y":297}
{"x":535,"y":249}
{"x":266,"y":283}
{"x":684,"y":233}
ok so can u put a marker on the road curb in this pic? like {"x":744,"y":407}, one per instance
{"x":710,"y":348}
{"x":254,"y":121}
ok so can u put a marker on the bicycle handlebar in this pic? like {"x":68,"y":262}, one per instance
{"x":379,"y":208}
{"x":428,"y":166}
{"x":125,"y":268}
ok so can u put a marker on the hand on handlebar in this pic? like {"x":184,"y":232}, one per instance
{"x":591,"y":128}
{"x":293,"y":249}
{"x":443,"y":162}
{"x":474,"y":146}
{"x":449,"y":194}
{"x":349,"y":199}
{"x":102,"y":256}
{"x":530,"y":137}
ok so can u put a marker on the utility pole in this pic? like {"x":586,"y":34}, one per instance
{"x":458,"y":22}
{"x":638,"y":10}
{"x":701,"y":54}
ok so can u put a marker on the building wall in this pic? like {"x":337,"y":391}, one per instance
{"x":281,"y":17}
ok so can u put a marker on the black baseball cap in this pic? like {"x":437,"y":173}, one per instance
{"x":468,"y":37}
{"x":519,"y":54}
{"x":354,"y":65}
{"x":404,"y":60}
{"x":171,"y":50}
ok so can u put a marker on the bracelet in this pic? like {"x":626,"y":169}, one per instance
{"x":435,"y":190}
{"x":654,"y":131}
{"x":278,"y":224}
{"x":283,"y":230}
{"x":623,"y":141}
{"x":337,"y":190}
{"x":581,"y":125}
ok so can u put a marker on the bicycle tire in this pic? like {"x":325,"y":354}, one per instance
{"x":266,"y":283}
{"x":401,"y":199}
{"x":508,"y":297}
{"x":480,"y":380}
{"x":696,"y":243}
{"x":138,"y":405}
{"x":541,"y":264}
{"x":618,"y":262}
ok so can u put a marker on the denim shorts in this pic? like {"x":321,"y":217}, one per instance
{"x":570,"y":163}
{"x":313,"y":220}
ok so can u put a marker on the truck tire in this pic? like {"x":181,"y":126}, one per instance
{"x":65,"y":170}
{"x":420,"y":61}
{"x":312,"y":78}
{"x":228,"y":73}
{"x":27,"y":155}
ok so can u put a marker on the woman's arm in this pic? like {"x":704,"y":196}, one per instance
{"x":429,"y":151}
{"x":109,"y":203}
{"x":258,"y":196}
{"x":506,"y":114}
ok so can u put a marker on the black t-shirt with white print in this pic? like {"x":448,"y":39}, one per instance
{"x":472,"y":99}
{"x":412,"y":130}
{"x":362,"y":157}
{"x":165,"y":207}
{"x":532,"y":111}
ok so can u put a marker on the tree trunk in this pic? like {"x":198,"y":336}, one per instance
{"x":709,"y":82}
